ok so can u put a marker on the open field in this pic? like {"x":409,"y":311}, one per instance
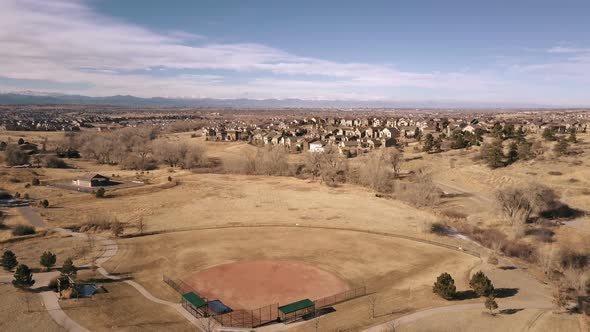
{"x":122,"y":309}
{"x":23,"y":311}
{"x":399,"y":271}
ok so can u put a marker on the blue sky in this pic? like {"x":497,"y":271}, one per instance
{"x":528,"y":51}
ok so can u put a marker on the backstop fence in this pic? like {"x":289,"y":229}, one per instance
{"x":178,"y":285}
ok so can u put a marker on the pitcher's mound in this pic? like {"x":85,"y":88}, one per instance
{"x":254,"y":284}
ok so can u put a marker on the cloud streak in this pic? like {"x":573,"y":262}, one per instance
{"x":67,"y":41}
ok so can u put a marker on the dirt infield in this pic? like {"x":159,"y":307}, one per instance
{"x":253,"y":284}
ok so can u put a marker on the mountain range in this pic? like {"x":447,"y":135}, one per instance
{"x":45,"y":98}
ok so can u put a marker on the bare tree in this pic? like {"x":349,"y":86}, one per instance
{"x":395,"y":158}
{"x":333,"y":166}
{"x":518,"y":204}
{"x":388,"y":327}
{"x":141,"y":225}
{"x":422,"y":191}
{"x":207,"y":324}
{"x":372,"y":305}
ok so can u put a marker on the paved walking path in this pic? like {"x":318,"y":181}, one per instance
{"x":50,"y":298}
{"x":413,"y":317}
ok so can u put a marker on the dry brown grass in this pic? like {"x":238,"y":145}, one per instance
{"x":22,"y":311}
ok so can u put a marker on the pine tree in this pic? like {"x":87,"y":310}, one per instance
{"x":428,"y":143}
{"x":524,"y":150}
{"x":561,"y":147}
{"x":572,"y":138}
{"x":23,"y":277}
{"x":520,"y":134}
{"x":9,"y":261}
{"x":548,"y":134}
{"x":481,"y":284}
{"x":68,"y":268}
{"x":48,"y":259}
{"x":493,"y":154}
{"x":512,"y":153}
{"x":445,"y":286}
{"x":491,"y":304}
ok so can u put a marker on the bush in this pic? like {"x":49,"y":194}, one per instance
{"x":439,"y":228}
{"x":36,"y":182}
{"x":15,"y":156}
{"x":445,"y":286}
{"x":21,"y":230}
{"x":54,"y":162}
{"x":48,"y":260}
{"x":574,"y":260}
{"x":45,"y":203}
{"x":100,"y":193}
{"x":493,"y":259}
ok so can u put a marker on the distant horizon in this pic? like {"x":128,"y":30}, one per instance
{"x":28,"y":97}
{"x":495,"y":52}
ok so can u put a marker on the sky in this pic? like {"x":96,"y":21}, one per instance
{"x":501,"y":51}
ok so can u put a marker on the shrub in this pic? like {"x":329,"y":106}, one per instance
{"x":439,"y":228}
{"x":21,"y":230}
{"x":573,"y":260}
{"x":45,"y":203}
{"x":36,"y":182}
{"x":15,"y":156}
{"x":54,"y":162}
{"x":53,"y":284}
{"x":99,"y":193}
{"x":48,"y":260}
{"x":445,"y":286}
{"x":493,"y":259}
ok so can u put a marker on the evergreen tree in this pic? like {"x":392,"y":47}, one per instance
{"x":572,"y":138}
{"x":520,"y":134}
{"x":524,"y":150}
{"x":9,"y":261}
{"x":561,"y":147}
{"x":445,"y":286}
{"x":48,"y":259}
{"x":438,"y":145}
{"x":493,"y":154}
{"x":508,"y":130}
{"x":491,"y":304}
{"x":548,"y":134}
{"x":68,"y":268}
{"x":23,"y":277}
{"x":428,"y":143}
{"x":481,"y":284}
{"x":497,"y":130}
{"x":512,"y":153}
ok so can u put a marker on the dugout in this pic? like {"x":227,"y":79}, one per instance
{"x":194,"y":304}
{"x":295,"y":310}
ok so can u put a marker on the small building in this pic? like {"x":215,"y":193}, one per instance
{"x":91,"y":180}
{"x":195,"y":304}
{"x":296,"y":310}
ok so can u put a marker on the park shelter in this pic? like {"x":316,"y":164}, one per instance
{"x":194,"y":304}
{"x":295,"y":310}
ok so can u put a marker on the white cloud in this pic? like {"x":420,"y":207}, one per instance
{"x":66,"y":41}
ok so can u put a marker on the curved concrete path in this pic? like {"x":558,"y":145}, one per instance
{"x":413,"y":317}
{"x":50,"y":298}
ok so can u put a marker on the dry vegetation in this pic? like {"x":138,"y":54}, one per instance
{"x":531,"y":210}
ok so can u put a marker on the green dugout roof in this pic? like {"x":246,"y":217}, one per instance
{"x":295,"y":306}
{"x":194,"y":299}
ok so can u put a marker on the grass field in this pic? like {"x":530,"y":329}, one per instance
{"x":399,"y":271}
{"x":20,"y":311}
